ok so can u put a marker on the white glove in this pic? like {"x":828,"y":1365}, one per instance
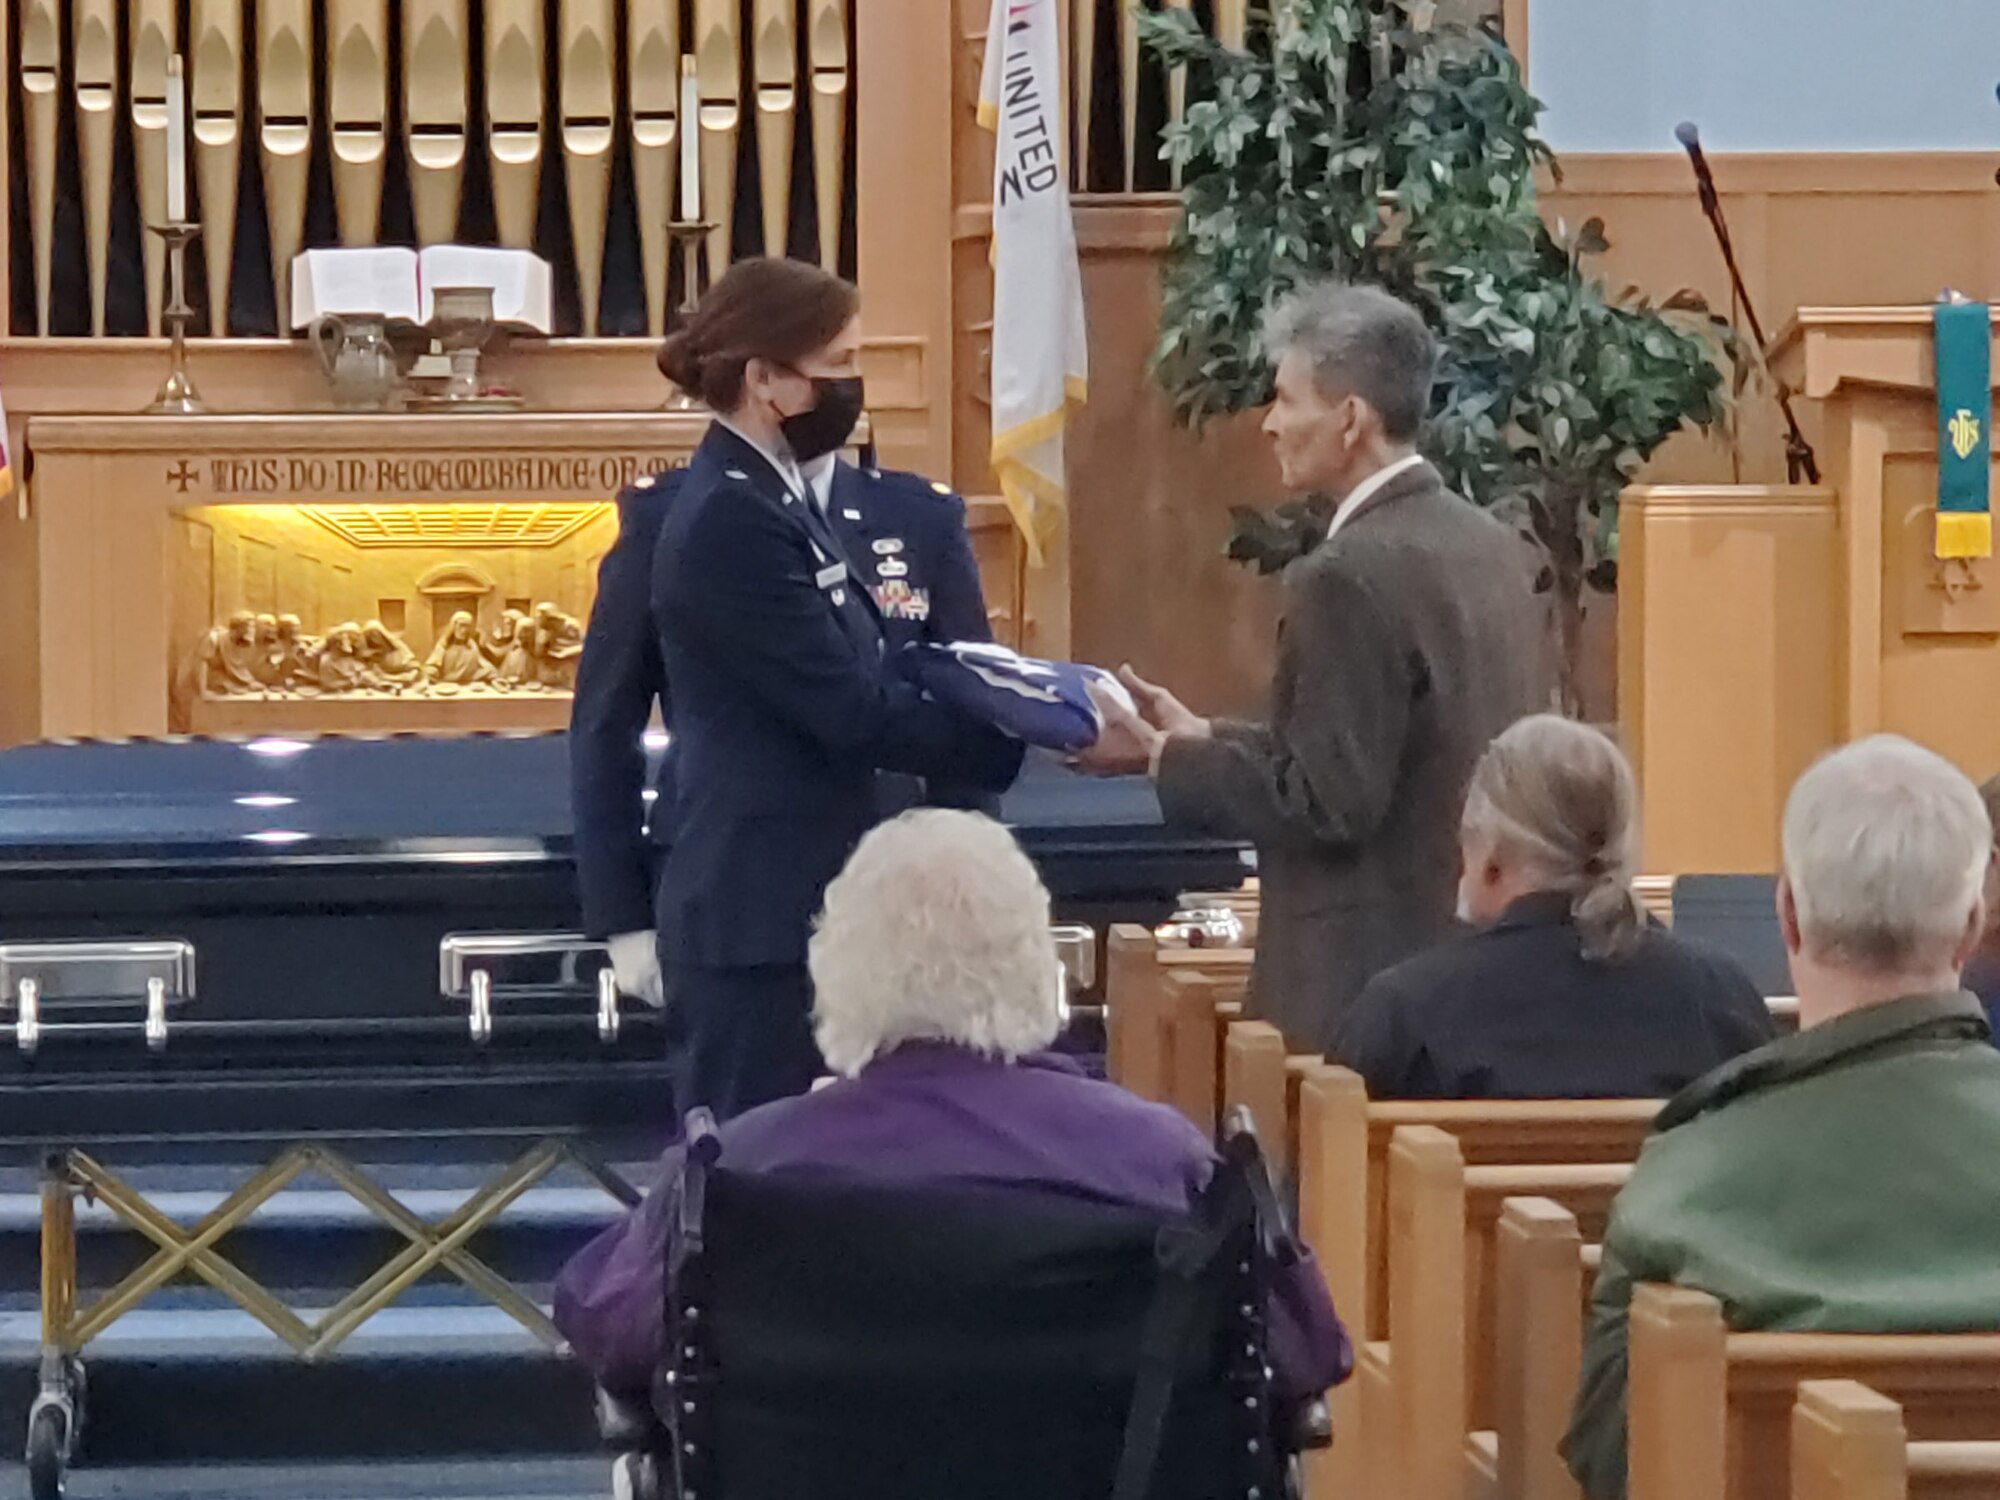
{"x":635,"y":959}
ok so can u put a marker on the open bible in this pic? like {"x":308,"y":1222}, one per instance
{"x":398,"y":283}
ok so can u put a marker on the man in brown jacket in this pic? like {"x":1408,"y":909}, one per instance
{"x":1410,"y":637}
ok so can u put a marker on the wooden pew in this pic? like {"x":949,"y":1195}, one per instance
{"x":1850,"y":1443}
{"x":1544,"y":1275}
{"x":1260,"y":1075}
{"x":1201,"y":1005}
{"x":1136,"y":999}
{"x":1338,"y":1143}
{"x":1710,"y":1412}
{"x":1345,"y":1128}
{"x":1433,"y":1382}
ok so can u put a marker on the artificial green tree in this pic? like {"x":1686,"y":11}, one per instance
{"x":1371,"y":141}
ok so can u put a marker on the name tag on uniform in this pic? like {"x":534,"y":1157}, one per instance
{"x":830,"y":575}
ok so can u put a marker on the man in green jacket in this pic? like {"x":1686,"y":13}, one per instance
{"x":1841,"y":1179}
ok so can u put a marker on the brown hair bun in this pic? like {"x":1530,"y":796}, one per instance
{"x":680,"y":362}
{"x":782,"y":311}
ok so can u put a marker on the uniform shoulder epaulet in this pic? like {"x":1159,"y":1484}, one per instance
{"x":916,"y":484}
{"x":649,"y":487}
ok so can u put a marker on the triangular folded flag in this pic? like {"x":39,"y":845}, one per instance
{"x":1042,"y":703}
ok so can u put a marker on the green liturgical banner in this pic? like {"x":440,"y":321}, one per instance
{"x":1964,"y":341}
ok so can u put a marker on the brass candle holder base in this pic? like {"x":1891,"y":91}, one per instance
{"x":177,"y":395}
{"x":686,"y":237}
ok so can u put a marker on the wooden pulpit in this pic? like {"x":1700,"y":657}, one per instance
{"x":1762,"y":626}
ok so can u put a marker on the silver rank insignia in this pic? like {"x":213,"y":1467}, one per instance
{"x":852,"y":515}
{"x":890,"y":568}
{"x":888,"y":546}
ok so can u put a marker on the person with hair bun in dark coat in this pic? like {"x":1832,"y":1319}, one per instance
{"x":1568,"y":990}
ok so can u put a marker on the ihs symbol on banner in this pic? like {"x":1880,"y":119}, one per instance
{"x":1964,"y":431}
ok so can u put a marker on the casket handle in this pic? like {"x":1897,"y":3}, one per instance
{"x":156,"y":1014}
{"x":71,"y":984}
{"x":28,"y":1020}
{"x":482,"y":1007}
{"x":485,"y":969}
{"x":607,"y":1005}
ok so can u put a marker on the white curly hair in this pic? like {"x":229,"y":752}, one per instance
{"x":937,"y":929}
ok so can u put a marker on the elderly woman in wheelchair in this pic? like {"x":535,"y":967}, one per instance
{"x":962,"y":1270}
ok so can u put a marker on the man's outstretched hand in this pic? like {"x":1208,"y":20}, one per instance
{"x":1124,"y":745}
{"x":1161,"y":708}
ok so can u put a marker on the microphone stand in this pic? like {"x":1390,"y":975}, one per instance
{"x":1801,"y":464}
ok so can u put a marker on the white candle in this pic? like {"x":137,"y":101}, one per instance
{"x":690,"y":142}
{"x":177,"y":193}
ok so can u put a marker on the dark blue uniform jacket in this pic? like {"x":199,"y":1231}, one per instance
{"x":903,"y":536}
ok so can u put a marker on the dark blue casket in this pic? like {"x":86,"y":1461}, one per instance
{"x":315,"y":881}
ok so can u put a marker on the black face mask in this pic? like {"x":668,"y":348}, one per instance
{"x":829,"y":422}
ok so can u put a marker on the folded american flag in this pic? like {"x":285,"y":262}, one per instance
{"x":1043,"y":703}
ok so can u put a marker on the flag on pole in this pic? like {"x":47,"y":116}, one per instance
{"x":1039,"y":355}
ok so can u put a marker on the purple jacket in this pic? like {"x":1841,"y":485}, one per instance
{"x":930,"y":1112}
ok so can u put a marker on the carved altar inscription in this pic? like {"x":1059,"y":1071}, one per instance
{"x":402,"y":475}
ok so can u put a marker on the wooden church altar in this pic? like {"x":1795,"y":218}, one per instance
{"x":166,"y":531}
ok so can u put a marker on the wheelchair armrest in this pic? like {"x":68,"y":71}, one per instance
{"x":1312,"y":1428}
{"x":625,"y":1422}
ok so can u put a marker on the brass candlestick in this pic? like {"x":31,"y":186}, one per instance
{"x":177,"y":394}
{"x":687,"y":237}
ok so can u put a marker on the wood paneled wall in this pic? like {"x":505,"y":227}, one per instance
{"x":1860,"y":229}
{"x":1151,"y":509}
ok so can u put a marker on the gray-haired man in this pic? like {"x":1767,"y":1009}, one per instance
{"x":1839,"y":1180}
{"x":1410,"y":637}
